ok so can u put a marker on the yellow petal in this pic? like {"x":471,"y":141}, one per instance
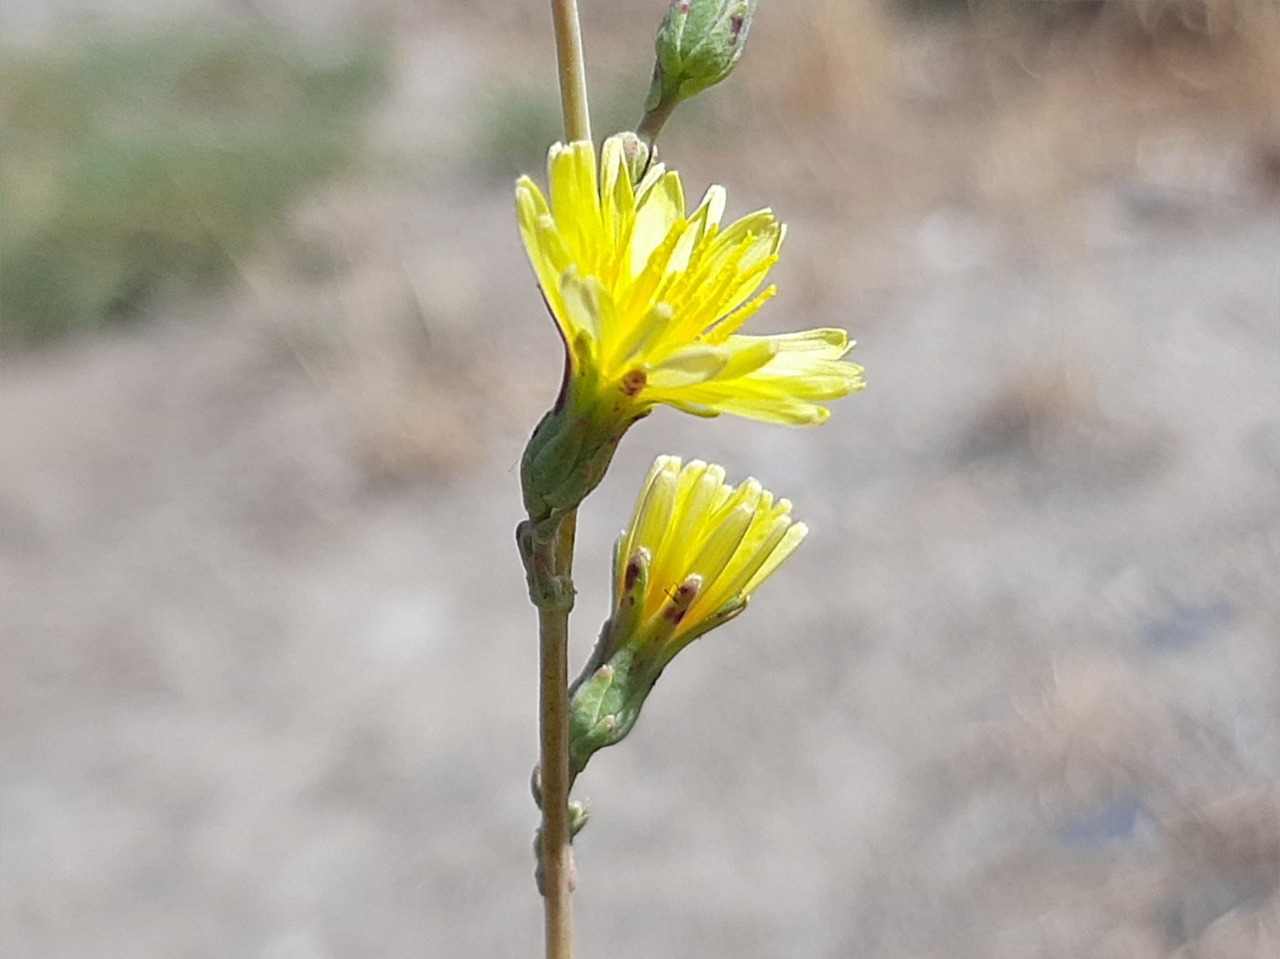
{"x":656,"y":216}
{"x":630,"y":540}
{"x":779,"y":555}
{"x":693,"y":364}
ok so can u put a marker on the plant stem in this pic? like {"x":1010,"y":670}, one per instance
{"x":653,"y":121}
{"x":556,"y":556}
{"x":572,"y":67}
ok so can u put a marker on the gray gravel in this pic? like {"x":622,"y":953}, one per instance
{"x":268,"y":685}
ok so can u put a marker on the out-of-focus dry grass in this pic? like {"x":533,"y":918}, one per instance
{"x":1004,"y":108}
{"x":1016,"y":699}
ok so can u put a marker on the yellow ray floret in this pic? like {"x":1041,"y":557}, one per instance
{"x":652,"y":297}
{"x":696,"y":549}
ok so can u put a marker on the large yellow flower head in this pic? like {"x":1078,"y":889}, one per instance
{"x":694,"y":552}
{"x":649,"y":298}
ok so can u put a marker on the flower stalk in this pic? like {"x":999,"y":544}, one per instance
{"x":572,"y":69}
{"x":549,"y":559}
{"x":548,"y":551}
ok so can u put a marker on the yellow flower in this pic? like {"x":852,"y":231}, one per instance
{"x":694,"y":553}
{"x":696,"y":549}
{"x":649,"y":300}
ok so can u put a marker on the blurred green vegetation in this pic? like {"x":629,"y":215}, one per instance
{"x":518,"y":124}
{"x":516,"y":128}
{"x":135,"y":165}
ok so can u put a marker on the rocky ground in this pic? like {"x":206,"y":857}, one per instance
{"x":268,"y":684}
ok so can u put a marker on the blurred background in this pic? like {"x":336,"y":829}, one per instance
{"x":270,"y":351}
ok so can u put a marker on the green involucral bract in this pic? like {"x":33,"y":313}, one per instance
{"x":573,"y":445}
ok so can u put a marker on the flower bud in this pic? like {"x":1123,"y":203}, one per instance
{"x":698,"y":45}
{"x":579,"y":813}
{"x":637,"y":155}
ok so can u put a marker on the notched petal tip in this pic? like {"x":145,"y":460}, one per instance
{"x":526,"y":188}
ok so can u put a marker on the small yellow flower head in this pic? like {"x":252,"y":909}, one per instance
{"x":649,"y":298}
{"x":694,"y":553}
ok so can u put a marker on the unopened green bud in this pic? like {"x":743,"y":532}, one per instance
{"x":579,"y":813}
{"x":698,"y":45}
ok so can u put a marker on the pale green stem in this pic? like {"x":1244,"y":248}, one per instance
{"x":553,"y":558}
{"x":555,"y":555}
{"x":573,"y":71}
{"x":653,"y":121}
